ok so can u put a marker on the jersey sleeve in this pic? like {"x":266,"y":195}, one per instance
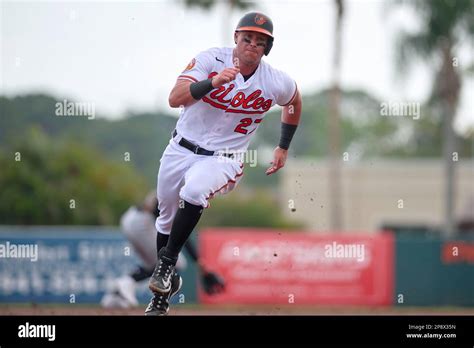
{"x":285,"y":89}
{"x":198,"y":68}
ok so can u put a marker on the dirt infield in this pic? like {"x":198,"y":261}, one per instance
{"x":75,"y":309}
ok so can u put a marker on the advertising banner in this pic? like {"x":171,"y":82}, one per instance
{"x":269,"y":267}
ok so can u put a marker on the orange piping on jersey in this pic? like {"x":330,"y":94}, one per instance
{"x":293,"y":97}
{"x":228,"y":182}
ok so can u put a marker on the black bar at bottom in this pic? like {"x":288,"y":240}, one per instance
{"x":452,"y":331}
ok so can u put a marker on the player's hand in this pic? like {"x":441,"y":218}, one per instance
{"x":212,"y":283}
{"x":225,"y":76}
{"x":279,"y":160}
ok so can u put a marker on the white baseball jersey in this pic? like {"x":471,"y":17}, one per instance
{"x":228,"y":116}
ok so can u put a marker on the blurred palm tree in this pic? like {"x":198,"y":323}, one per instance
{"x":229,"y":7}
{"x":443,"y":25}
{"x":334,"y":124}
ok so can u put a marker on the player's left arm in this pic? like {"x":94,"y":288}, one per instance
{"x":290,"y":118}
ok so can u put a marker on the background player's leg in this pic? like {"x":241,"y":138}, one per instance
{"x":142,"y":236}
{"x":144,"y":272}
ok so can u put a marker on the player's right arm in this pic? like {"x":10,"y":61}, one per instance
{"x":194,"y":82}
{"x":182,"y":92}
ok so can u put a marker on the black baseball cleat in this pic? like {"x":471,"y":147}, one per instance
{"x":160,"y":302}
{"x":160,"y":280}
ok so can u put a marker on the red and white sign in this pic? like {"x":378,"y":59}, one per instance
{"x":273,"y":267}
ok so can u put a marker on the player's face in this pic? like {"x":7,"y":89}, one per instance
{"x":251,"y":46}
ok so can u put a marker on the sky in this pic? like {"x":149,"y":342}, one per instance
{"x":125,"y":55}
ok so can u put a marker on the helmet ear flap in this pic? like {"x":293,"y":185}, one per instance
{"x":269,"y":46}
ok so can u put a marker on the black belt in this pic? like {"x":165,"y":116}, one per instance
{"x":197,"y":149}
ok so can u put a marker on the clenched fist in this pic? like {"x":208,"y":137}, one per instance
{"x":225,"y":76}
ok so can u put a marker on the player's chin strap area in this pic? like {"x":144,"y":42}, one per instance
{"x":197,"y":149}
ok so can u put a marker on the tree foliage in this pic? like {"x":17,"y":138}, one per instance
{"x":63,"y":182}
{"x":64,"y":158}
{"x":258,"y":209}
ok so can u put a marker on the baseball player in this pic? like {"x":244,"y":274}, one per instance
{"x":224,"y":94}
{"x":138,"y":226}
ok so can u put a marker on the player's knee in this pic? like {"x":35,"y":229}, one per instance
{"x":193,"y":194}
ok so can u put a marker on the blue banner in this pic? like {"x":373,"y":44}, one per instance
{"x":70,"y":265}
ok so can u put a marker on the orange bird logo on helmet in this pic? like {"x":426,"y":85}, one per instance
{"x":259,"y":19}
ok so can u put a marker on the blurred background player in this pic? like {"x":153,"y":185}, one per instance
{"x":138,"y":226}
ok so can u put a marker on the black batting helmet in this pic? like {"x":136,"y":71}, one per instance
{"x":258,"y":22}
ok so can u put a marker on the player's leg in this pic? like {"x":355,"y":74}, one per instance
{"x":205,"y":178}
{"x":160,"y":302}
{"x":174,"y":163}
